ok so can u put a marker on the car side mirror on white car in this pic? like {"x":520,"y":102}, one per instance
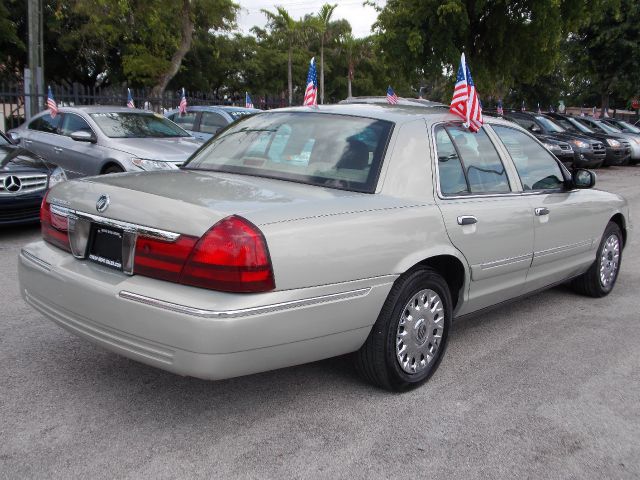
{"x":583,"y":178}
{"x":83,"y":136}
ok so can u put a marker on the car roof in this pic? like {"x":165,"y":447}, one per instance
{"x":103,"y":109}
{"x":217,"y":108}
{"x":383,"y":100}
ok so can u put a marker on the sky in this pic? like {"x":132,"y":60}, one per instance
{"x":360,"y":17}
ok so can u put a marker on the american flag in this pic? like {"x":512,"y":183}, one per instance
{"x":465,"y":102}
{"x":247,"y":100}
{"x":182,"y":108}
{"x":51,"y":104}
{"x":392,"y":98}
{"x":130,"y":103}
{"x":311,"y":93}
{"x":499,"y":108}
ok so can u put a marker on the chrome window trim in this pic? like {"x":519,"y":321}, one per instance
{"x":125,"y":226}
{"x":243,"y":312}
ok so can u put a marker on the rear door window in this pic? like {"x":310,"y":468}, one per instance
{"x":186,"y":121}
{"x":45,"y":123}
{"x":537,"y":168}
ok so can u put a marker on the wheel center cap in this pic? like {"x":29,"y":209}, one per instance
{"x":420,"y":332}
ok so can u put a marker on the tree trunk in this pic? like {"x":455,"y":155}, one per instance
{"x":290,"y":77}
{"x":322,"y":70}
{"x":186,"y":38}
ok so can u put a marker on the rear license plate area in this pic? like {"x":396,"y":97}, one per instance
{"x":106,"y":246}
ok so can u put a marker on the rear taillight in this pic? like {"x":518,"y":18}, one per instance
{"x":161,"y":259}
{"x":232,"y":257}
{"x":54,"y":227}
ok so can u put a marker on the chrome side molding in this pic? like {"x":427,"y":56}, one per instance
{"x":243,"y":312}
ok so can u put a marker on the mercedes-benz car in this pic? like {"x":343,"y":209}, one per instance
{"x":24,"y":179}
{"x":96,"y":140}
{"x":304,"y":233}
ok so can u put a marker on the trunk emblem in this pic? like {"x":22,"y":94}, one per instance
{"x":102,"y":203}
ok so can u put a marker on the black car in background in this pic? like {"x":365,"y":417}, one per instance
{"x":622,"y":125}
{"x":598,"y":125}
{"x":587,"y":152}
{"x":618,"y":148}
{"x":24,"y":179}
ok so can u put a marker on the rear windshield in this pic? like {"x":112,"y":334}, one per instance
{"x":136,"y":125}
{"x":336,"y":151}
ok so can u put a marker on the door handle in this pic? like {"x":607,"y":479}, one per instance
{"x":542,"y":211}
{"x":57,"y":149}
{"x":467,"y":220}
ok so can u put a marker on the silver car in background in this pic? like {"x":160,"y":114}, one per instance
{"x":300,"y":234}
{"x":203,"y":122}
{"x":92,"y":140}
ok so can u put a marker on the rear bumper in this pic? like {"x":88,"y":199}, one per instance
{"x":19,"y":209}
{"x":196,"y":332}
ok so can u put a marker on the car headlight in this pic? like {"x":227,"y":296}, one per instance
{"x":580,"y":143}
{"x":551,"y":146}
{"x":613,"y":143}
{"x":147,"y":164}
{"x":57,"y":176}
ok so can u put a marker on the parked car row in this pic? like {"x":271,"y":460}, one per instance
{"x":582,"y":141}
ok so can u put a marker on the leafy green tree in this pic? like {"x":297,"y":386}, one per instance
{"x":355,"y":50}
{"x":11,"y":46}
{"x":322,"y":24}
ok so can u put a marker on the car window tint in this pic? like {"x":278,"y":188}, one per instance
{"x":74,"y":123}
{"x":523,"y":122}
{"x":537,"y":168}
{"x":45,"y":124}
{"x":186,"y":121}
{"x":451,"y":175}
{"x":212,"y":122}
{"x":482,"y":165}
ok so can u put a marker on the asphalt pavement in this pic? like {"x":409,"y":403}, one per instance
{"x":547,"y":387}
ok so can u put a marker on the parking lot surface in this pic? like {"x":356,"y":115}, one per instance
{"x":546,"y":387}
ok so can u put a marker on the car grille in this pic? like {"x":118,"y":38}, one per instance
{"x":10,"y":215}
{"x":22,"y":183}
{"x":598,"y":149}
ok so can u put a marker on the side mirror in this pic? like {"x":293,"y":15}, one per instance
{"x":14,"y":137}
{"x":83,"y":136}
{"x":583,"y":178}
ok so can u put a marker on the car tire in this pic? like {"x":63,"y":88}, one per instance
{"x":113,"y":169}
{"x":601,"y":277}
{"x":380,"y":360}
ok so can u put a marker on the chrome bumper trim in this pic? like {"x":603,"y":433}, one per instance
{"x":243,"y":312}
{"x":110,"y":222}
{"x":38,"y":261}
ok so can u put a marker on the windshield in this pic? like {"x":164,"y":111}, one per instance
{"x":628,"y":126}
{"x":136,"y":125}
{"x":580,"y":126}
{"x":607,"y":128}
{"x":549,"y":125}
{"x":336,"y":151}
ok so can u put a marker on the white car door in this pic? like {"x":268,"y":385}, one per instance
{"x":486,"y":216}
{"x":565,"y":234}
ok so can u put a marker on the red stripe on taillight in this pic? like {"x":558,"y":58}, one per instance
{"x":233,"y":257}
{"x":164,"y":260}
{"x":54,"y":228}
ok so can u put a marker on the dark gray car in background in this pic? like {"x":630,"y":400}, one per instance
{"x":94,"y":140}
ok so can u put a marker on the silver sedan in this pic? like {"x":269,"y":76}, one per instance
{"x":95,"y":140}
{"x":305,"y":233}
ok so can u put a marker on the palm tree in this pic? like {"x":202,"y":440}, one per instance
{"x":323,"y":20}
{"x":288,"y":31}
{"x":354,"y":50}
